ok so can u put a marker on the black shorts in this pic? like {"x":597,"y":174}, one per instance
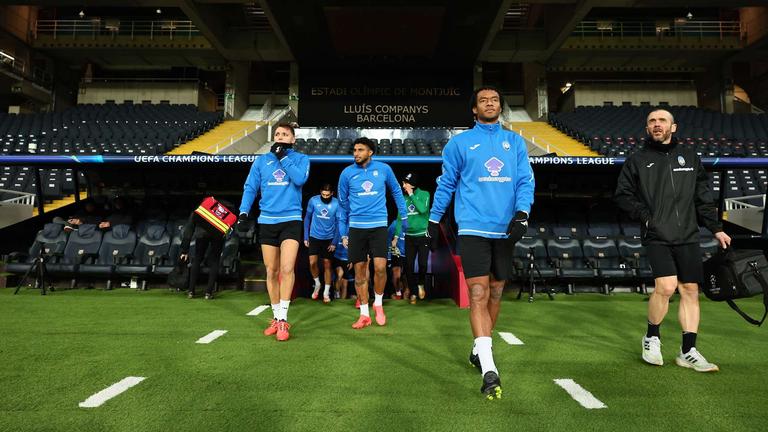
{"x":349,"y":273}
{"x":683,"y":261}
{"x":396,"y":261}
{"x":275,"y":234}
{"x":482,"y":256}
{"x":365,"y":241}
{"x":320,"y":247}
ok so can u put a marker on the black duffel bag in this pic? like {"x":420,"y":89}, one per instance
{"x":734,"y":274}
{"x":179,"y":277}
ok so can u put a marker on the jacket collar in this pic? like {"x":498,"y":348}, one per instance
{"x":663,"y":148}
{"x":488,"y":128}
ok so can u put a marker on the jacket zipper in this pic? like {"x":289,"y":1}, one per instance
{"x":674,"y":191}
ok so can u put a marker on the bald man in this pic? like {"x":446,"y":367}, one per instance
{"x":665,"y":187}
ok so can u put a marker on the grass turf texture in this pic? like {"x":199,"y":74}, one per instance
{"x":413,"y":374}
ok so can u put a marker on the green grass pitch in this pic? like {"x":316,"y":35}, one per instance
{"x":413,"y":374}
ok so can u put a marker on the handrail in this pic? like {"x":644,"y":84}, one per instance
{"x":113,"y":27}
{"x":36,"y":74}
{"x":226,"y":142}
{"x":660,"y":29}
{"x":24,"y":198}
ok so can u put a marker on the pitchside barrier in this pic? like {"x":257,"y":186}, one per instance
{"x":446,"y":265}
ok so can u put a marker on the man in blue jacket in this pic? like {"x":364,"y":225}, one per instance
{"x":320,"y":230}
{"x":363,"y":226}
{"x":487,"y":169}
{"x":278,"y":176}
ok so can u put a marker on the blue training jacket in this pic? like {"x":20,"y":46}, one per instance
{"x":341,"y":253}
{"x":487,"y":168}
{"x":392,"y":231}
{"x":320,"y":219}
{"x":363,"y":196}
{"x":279,"y":182}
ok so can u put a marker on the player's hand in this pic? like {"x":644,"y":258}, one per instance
{"x":394,"y":241}
{"x":104,"y":225}
{"x":278,"y":149}
{"x":724,"y":239}
{"x":242,"y":222}
{"x":332,"y":248}
{"x":433,"y":233}
{"x":183,"y":257}
{"x":517,"y":226}
{"x":345,"y":242}
{"x":306,"y":243}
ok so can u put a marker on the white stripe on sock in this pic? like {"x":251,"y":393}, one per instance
{"x":108,"y":393}
{"x":210,"y":337}
{"x":258,"y":310}
{"x":510,"y":338}
{"x":580,"y":394}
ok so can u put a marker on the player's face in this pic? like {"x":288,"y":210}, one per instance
{"x":660,"y":126}
{"x":362,"y":154}
{"x":284,"y":135}
{"x":326,"y":194}
{"x":488,"y":107}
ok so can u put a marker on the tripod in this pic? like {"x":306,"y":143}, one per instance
{"x":533,"y":267}
{"x":37,"y":267}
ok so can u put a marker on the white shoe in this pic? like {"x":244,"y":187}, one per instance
{"x":694,"y":360}
{"x":652,"y":350}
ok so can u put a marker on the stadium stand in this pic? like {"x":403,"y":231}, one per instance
{"x":108,"y":129}
{"x":618,"y":131}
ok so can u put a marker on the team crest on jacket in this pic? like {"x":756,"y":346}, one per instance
{"x":681,"y":160}
{"x":375,"y":173}
{"x":278,"y":174}
{"x":494,"y":166}
{"x":506,"y":145}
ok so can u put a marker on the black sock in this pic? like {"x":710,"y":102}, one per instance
{"x":689,"y":341}
{"x":653,"y":330}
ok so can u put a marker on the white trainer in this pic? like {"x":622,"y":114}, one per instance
{"x":694,"y":360}
{"x":652,"y":350}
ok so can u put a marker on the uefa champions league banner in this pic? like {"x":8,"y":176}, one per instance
{"x":385,"y":98}
{"x":247,"y":159}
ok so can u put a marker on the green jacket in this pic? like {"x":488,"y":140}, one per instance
{"x":418,"y":212}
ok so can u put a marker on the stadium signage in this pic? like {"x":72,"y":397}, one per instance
{"x":390,"y":98}
{"x":195,"y":158}
{"x":571,"y":160}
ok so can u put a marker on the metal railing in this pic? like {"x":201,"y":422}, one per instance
{"x":35,"y":74}
{"x":114,"y":27}
{"x":23,"y":198}
{"x":661,"y":29}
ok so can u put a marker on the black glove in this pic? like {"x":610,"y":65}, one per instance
{"x":242,"y":222}
{"x":433,"y":233}
{"x":517,"y":226}
{"x":278,"y":149}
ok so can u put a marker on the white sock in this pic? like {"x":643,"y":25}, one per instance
{"x":275,"y":310}
{"x":484,"y":346}
{"x":364,"y":310}
{"x":326,"y":290}
{"x":284,"y":304}
{"x":317,"y":284}
{"x":377,"y":300}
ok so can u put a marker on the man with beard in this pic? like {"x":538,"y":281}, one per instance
{"x":487,"y":169}
{"x":320,"y":228}
{"x":665,"y":187}
{"x":278,"y":176}
{"x":363,"y":226}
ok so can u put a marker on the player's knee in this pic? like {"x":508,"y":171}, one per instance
{"x":689,"y":290}
{"x":495,"y":294}
{"x":665,"y":289}
{"x":478,"y":293}
{"x":286,"y":270}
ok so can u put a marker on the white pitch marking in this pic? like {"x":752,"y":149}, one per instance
{"x":108,"y":393}
{"x":580,"y":394}
{"x":258,"y":310}
{"x":210,"y":337}
{"x":510,"y":338}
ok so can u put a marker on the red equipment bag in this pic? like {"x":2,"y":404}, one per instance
{"x":217,"y":217}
